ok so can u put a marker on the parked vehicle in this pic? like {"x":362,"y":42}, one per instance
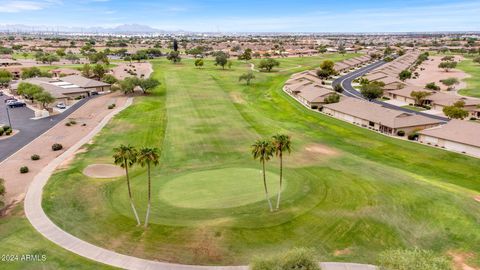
{"x":10,"y":99}
{"x":1,"y":93}
{"x":61,"y":106}
{"x":16,"y":104}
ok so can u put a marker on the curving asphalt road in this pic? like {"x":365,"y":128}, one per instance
{"x":346,"y":82}
{"x":29,"y":129}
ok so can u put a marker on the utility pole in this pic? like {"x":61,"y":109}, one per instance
{"x":8,"y":116}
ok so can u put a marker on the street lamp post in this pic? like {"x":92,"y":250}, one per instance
{"x":8,"y":116}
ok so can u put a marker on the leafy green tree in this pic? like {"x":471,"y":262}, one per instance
{"x":87,"y":71}
{"x":247,"y":77}
{"x":5,"y":77}
{"x":127,"y":85}
{"x":333,"y":98}
{"x":432,"y":86}
{"x":221,"y":59}
{"x":110,"y":79}
{"x":34,"y":72}
{"x":419,"y":96}
{"x":199,"y":63}
{"x":99,"y":71}
{"x":326,"y":69}
{"x":60,"y":52}
{"x":147,"y":157}
{"x":456,"y":110}
{"x":147,"y":84}
{"x":268,"y":64}
{"x":281,"y":143}
{"x":44,"y":98}
{"x":447,"y":65}
{"x":246,"y":55}
{"x":72,"y":57}
{"x":372,"y":90}
{"x":477,"y":60}
{"x":450,"y":83}
{"x":126,"y":156}
{"x":322,"y":49}
{"x":263,"y":151}
{"x":405,"y":74}
{"x":174,"y":57}
{"x":29,"y":90}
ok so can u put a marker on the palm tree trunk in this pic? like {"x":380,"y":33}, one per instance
{"x":130,"y":195}
{"x":149,"y":195}
{"x":280,"y":188}
{"x":266,"y":189}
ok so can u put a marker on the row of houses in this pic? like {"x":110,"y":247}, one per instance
{"x":351,"y":63}
{"x":455,"y":135}
{"x":436,"y":100}
{"x":66,"y":89}
{"x":308,"y":88}
{"x":388,"y":73}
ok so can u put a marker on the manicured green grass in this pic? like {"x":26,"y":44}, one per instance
{"x":415,"y":108}
{"x":347,"y":188}
{"x":473,"y":83}
{"x":19,"y":239}
{"x":217,"y":188}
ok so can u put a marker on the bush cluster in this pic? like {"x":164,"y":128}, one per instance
{"x":24,"y":169}
{"x":35,"y":157}
{"x":57,"y":147}
{"x":111,"y":106}
{"x":5,"y":130}
{"x":298,"y":258}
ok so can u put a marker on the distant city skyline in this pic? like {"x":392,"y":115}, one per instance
{"x":248,"y":15}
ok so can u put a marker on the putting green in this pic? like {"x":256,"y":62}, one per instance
{"x":220,"y":188}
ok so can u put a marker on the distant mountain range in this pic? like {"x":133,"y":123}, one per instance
{"x":121,"y":29}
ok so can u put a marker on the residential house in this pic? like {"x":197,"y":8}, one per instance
{"x":376,"y":117}
{"x":456,"y":135}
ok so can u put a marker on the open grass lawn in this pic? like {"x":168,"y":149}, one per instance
{"x":349,"y":194}
{"x":415,"y":108}
{"x":19,"y":239}
{"x":473,"y":83}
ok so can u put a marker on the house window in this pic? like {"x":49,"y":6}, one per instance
{"x":370,"y":123}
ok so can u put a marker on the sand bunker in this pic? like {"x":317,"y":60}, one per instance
{"x":103,"y":171}
{"x":320,"y":149}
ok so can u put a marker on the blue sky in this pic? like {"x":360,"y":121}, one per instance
{"x":251,"y":15}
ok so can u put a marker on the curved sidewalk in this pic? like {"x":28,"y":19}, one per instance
{"x":40,"y":221}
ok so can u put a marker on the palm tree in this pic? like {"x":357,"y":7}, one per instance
{"x":263,"y":151}
{"x":126,"y":156}
{"x":148,"y":156}
{"x":281,"y":143}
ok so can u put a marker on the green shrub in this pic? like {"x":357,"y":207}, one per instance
{"x":413,"y":136}
{"x":1,"y":131}
{"x":301,"y":259}
{"x":5,"y":128}
{"x":111,"y":106}
{"x":401,"y":133}
{"x":8,"y":131}
{"x":24,"y":169}
{"x":68,"y":124}
{"x":412,"y":259}
{"x":57,"y":147}
{"x":35,"y":157}
{"x":298,"y":258}
{"x":73,"y":122}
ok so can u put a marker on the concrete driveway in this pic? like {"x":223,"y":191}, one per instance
{"x":29,"y":129}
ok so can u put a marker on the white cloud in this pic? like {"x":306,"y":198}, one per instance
{"x":19,"y":6}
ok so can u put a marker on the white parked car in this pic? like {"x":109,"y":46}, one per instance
{"x":61,"y":106}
